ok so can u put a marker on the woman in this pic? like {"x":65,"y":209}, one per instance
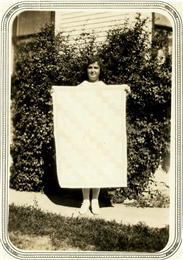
{"x":93,"y":73}
{"x":90,"y":125}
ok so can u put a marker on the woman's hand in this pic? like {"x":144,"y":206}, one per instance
{"x":52,"y":91}
{"x":127,"y":89}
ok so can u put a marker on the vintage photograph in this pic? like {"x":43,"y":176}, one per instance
{"x":91,"y":136}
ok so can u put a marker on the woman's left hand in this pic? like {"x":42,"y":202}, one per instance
{"x":127,"y":89}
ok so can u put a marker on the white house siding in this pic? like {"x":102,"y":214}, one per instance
{"x":73,"y":22}
{"x":99,"y":21}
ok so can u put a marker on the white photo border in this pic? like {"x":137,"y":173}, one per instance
{"x":5,"y":124}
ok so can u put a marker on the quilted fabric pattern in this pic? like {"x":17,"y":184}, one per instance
{"x":90,"y":136}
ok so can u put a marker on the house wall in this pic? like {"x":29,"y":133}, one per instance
{"x":73,"y":22}
{"x":29,"y":22}
{"x":161,"y":20}
{"x":25,"y":25}
{"x":98,"y":21}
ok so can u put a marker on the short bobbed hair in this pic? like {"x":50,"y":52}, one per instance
{"x":94,"y":58}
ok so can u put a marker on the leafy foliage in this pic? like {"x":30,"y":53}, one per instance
{"x":32,"y":109}
{"x":129,"y":57}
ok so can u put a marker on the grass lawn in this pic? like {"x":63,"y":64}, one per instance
{"x":32,"y":229}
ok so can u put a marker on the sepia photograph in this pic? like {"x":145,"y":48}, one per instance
{"x":91,"y":140}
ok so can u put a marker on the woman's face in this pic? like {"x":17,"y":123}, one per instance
{"x":93,"y":72}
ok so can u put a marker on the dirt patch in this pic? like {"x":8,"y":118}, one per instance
{"x":44,"y":243}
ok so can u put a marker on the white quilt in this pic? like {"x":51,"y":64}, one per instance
{"x":90,"y":136}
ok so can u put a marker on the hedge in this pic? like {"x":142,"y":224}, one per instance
{"x":129,"y":57}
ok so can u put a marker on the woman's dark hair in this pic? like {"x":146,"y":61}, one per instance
{"x":94,"y":58}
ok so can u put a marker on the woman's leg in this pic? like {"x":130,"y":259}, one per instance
{"x":86,"y":201}
{"x":95,"y":203}
{"x":86,"y":194}
{"x":95,"y":193}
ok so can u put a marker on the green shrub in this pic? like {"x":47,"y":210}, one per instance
{"x":35,"y":70}
{"x":44,"y":61}
{"x":129,"y":58}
